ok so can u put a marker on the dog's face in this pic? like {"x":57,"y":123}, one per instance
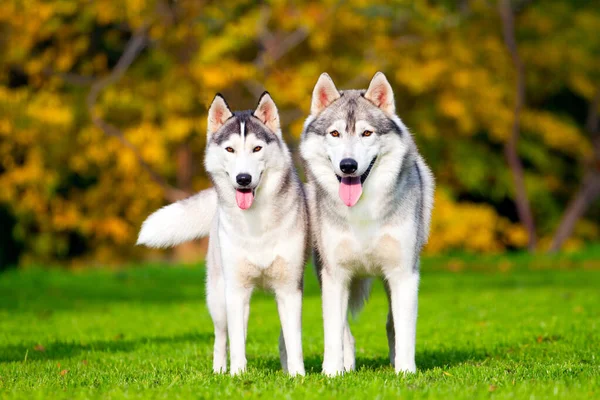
{"x":346,"y":133}
{"x":240,"y":147}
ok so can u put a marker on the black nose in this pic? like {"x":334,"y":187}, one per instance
{"x":243,"y":179}
{"x":348,"y":165}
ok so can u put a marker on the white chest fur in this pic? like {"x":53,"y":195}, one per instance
{"x":366,"y":246}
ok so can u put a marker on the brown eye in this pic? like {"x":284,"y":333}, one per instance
{"x":335,"y":133}
{"x":229,"y":149}
{"x":367,"y":133}
{"x":256,"y":149}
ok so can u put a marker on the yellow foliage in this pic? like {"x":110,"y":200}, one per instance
{"x":471,"y":227}
{"x":63,"y":178}
{"x":556,"y":133}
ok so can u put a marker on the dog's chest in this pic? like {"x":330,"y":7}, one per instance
{"x":250,"y":274}
{"x":369,"y":258}
{"x":366,"y":246}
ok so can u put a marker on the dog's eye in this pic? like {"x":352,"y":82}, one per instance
{"x":229,"y":149}
{"x":256,"y":149}
{"x":367,"y":133}
{"x":334,"y":133}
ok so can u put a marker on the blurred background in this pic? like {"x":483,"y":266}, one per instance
{"x":103,"y":111}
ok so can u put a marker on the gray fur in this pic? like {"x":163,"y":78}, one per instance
{"x":394,"y":210}
{"x":253,"y":127}
{"x":352,"y":106}
{"x":261,"y":243}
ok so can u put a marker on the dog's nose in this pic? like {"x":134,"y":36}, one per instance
{"x":348,"y":165}
{"x":243,"y":179}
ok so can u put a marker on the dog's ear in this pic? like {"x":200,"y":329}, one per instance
{"x":266,"y":111}
{"x":324,"y":94}
{"x":381,"y":94}
{"x":218,"y":113}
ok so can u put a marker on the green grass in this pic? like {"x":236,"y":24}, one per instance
{"x":504,"y":327}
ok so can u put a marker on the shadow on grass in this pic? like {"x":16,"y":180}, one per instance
{"x":448,"y":358}
{"x":426,"y":360}
{"x":312,"y":363}
{"x":65,"y":350}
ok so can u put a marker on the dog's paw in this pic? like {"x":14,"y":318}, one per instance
{"x":349,"y":365}
{"x":219,"y":369}
{"x":331,"y":370}
{"x":296,"y":371}
{"x":237,"y":369}
{"x":405,"y":368}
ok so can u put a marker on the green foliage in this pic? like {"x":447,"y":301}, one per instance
{"x":77,"y":193}
{"x":145,"y":332}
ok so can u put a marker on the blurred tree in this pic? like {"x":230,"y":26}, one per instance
{"x":510,"y":146}
{"x":589,"y":191}
{"x":103,"y":107}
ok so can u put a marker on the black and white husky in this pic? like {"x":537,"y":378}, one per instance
{"x":370,"y":198}
{"x":257,"y":220}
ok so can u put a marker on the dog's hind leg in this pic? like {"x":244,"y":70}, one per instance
{"x":349,"y":349}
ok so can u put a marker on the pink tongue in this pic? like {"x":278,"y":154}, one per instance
{"x":350,"y":190}
{"x":244,"y":199}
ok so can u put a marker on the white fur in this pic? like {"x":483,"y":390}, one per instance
{"x":180,"y":222}
{"x":361,"y":240}
{"x":263,"y":246}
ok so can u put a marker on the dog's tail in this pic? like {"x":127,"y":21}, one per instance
{"x":360,"y":289}
{"x":181,"y":221}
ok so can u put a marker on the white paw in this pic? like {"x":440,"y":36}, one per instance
{"x":332,"y":370}
{"x":349,"y":366}
{"x":296,"y":371}
{"x":219,"y":369}
{"x":405,"y":367}
{"x":237,"y":369}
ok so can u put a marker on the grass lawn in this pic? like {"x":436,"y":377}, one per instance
{"x":489,"y":327}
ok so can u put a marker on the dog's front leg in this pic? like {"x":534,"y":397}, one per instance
{"x":404,"y":287}
{"x":237,"y":298}
{"x":335,"y":306}
{"x":289,"y":304}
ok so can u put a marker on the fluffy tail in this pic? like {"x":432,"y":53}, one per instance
{"x":181,"y":221}
{"x":360,"y":289}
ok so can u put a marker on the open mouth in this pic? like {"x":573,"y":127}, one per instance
{"x":244,"y":198}
{"x":351,"y":186}
{"x":364,"y":176}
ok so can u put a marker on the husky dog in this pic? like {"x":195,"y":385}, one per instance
{"x":257,"y":220}
{"x":370,"y":198}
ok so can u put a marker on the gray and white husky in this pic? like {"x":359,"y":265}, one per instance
{"x":256,"y":217}
{"x":370,"y":198}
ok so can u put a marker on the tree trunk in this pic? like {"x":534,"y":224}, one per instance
{"x":510,"y":148}
{"x":590,"y":187}
{"x":184,"y":167}
{"x":587,"y":193}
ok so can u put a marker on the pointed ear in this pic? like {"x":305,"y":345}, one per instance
{"x":218,"y":113}
{"x":381,"y":94}
{"x":266,"y":111}
{"x":324,"y":94}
